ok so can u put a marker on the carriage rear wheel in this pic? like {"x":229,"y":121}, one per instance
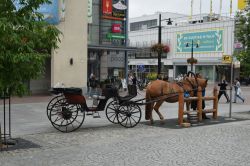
{"x":52,"y":102}
{"x":112,"y":111}
{"x":66,"y":117}
{"x":129,"y":115}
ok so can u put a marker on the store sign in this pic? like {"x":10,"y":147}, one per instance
{"x":107,"y":7}
{"x":90,"y":6}
{"x":226,"y":59}
{"x":116,"y":28}
{"x":114,"y":8}
{"x":238,"y":45}
{"x":115,"y":36}
{"x":50,"y":11}
{"x":208,"y":41}
{"x":116,"y":60}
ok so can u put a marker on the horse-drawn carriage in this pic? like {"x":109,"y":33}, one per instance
{"x":68,"y":109}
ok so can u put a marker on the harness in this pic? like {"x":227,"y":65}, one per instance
{"x":194,"y":88}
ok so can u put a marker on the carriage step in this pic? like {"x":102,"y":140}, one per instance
{"x":96,"y":115}
{"x":89,"y":113}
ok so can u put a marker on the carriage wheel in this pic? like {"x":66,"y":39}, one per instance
{"x":52,"y":102}
{"x":112,"y":111}
{"x":129,"y":115}
{"x":66,"y":117}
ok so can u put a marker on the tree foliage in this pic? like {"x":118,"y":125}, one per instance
{"x":26,"y":41}
{"x":243,"y":36}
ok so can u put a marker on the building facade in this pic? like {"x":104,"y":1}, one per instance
{"x":107,"y":38}
{"x":213,"y":38}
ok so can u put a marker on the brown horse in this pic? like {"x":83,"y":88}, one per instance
{"x":165,"y":91}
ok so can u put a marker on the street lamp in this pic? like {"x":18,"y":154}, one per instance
{"x":192,"y":52}
{"x":159,"y":39}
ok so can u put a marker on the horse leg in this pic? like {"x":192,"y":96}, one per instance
{"x":151,"y":114}
{"x":156,"y":108}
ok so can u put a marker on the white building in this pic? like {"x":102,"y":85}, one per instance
{"x":213,"y":35}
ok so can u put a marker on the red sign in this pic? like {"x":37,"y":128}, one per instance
{"x":107,"y":7}
{"x":116,"y":28}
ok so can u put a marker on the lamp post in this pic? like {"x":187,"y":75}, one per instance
{"x":192,"y":52}
{"x":169,"y":22}
{"x":159,"y":42}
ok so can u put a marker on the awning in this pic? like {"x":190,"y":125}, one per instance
{"x":115,"y":48}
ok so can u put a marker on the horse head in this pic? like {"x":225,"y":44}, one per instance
{"x":192,"y":83}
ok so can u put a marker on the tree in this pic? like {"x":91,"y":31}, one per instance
{"x":243,"y":36}
{"x":26,"y":41}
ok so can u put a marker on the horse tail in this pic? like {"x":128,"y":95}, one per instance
{"x":148,"y":107}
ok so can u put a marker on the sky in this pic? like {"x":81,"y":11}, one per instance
{"x":138,"y":8}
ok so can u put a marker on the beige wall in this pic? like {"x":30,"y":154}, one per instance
{"x":73,"y":45}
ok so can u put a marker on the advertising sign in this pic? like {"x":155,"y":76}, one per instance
{"x":90,"y":11}
{"x":115,"y":36}
{"x":114,"y":8}
{"x":116,"y":28}
{"x":208,"y":41}
{"x":226,"y":59}
{"x":50,"y":11}
{"x":107,"y":7}
{"x":116,"y":60}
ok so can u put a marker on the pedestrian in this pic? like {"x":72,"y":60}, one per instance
{"x":124,"y":84}
{"x":134,"y":87}
{"x":223,"y":90}
{"x":130,"y":84}
{"x":237,"y":91}
{"x":93,"y":83}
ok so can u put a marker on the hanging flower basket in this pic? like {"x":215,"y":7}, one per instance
{"x":160,"y":48}
{"x":192,"y":60}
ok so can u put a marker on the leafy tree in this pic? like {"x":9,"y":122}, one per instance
{"x":26,"y":41}
{"x":243,"y":36}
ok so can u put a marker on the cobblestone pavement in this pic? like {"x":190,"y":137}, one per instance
{"x":222,"y":142}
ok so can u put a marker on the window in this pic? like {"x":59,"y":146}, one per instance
{"x":135,"y":26}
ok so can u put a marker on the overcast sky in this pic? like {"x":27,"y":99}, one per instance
{"x":140,"y":7}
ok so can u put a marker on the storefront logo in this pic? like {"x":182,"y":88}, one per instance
{"x":120,"y":6}
{"x":116,"y":28}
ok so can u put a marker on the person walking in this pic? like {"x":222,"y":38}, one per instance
{"x":93,"y":85}
{"x":124,"y":84}
{"x":130,"y":84}
{"x":237,"y":91}
{"x":134,"y":85}
{"x":222,"y":91}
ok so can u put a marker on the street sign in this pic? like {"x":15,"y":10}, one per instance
{"x":141,"y":68}
{"x":226,"y":59}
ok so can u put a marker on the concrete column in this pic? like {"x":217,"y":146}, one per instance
{"x":69,"y":61}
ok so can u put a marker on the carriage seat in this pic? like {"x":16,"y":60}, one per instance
{"x":125,"y":98}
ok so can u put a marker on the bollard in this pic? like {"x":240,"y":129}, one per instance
{"x":181,"y":107}
{"x":1,"y":144}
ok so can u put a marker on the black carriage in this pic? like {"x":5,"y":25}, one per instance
{"x":68,"y":109}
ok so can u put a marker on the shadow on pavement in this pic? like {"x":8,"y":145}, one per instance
{"x":173,"y":123}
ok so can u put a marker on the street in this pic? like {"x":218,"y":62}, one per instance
{"x":98,"y":142}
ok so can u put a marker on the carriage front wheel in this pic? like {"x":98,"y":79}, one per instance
{"x":129,"y":115}
{"x":66,"y":117}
